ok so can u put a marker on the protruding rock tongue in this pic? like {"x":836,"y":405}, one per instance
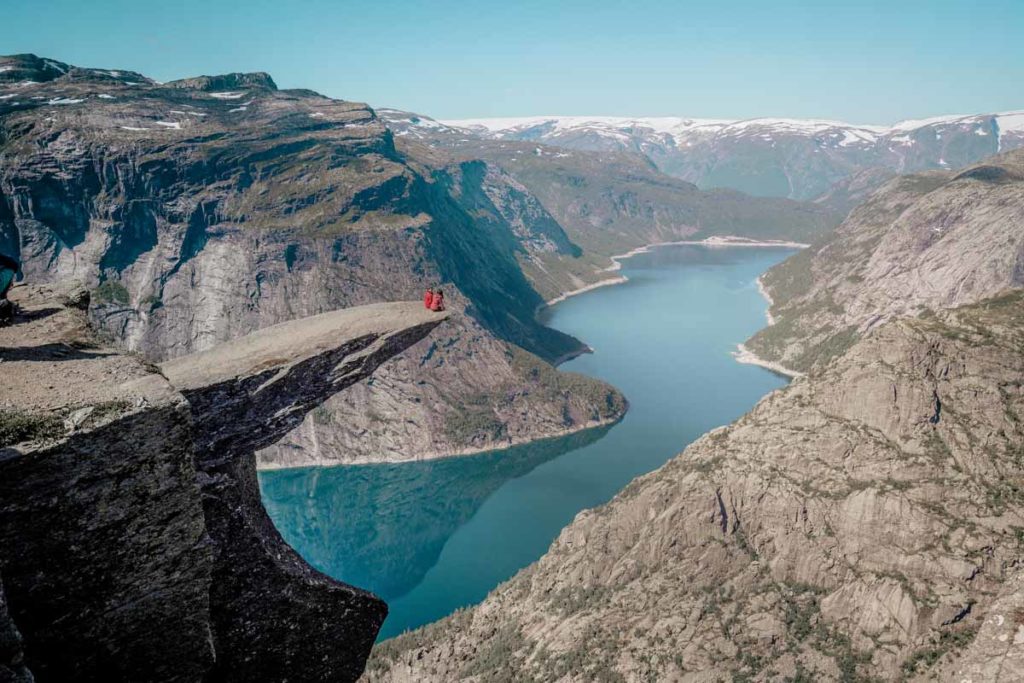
{"x":274,"y":616}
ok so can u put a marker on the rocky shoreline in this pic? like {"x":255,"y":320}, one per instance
{"x":747,"y":357}
{"x":744,"y":355}
{"x":458,"y":453}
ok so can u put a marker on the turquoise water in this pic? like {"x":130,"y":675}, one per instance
{"x":434,"y":536}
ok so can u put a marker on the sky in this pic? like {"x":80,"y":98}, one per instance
{"x":861,"y":62}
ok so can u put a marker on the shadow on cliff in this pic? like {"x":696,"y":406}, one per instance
{"x":50,"y":353}
{"x":383,"y":526}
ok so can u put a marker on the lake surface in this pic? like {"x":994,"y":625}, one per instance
{"x":434,"y":536}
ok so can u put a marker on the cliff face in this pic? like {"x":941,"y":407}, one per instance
{"x":926,"y":241}
{"x":863,"y":522}
{"x":133,"y":543}
{"x":204,"y":209}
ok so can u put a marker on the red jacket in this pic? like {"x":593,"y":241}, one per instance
{"x":428,"y":299}
{"x":437,"y":302}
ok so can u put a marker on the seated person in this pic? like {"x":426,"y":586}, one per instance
{"x":437,"y":302}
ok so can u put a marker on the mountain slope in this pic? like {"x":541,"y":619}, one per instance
{"x":610,"y":202}
{"x":795,"y":158}
{"x":203,"y":209}
{"x":864,"y":523}
{"x":861,"y":524}
{"x":926,"y":241}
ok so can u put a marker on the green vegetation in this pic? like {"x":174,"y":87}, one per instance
{"x":946,"y":642}
{"x":152,"y":302}
{"x":111,"y":292}
{"x":493,"y":663}
{"x":602,"y":398}
{"x":473,"y":421}
{"x":18,"y":427}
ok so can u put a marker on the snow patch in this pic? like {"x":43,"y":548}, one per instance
{"x":133,"y":128}
{"x":6,"y":68}
{"x":1011,"y":122}
{"x":105,"y":96}
{"x":242,"y":108}
{"x":64,"y":100}
{"x":170,"y":124}
{"x":685,"y":131}
{"x":228,"y":95}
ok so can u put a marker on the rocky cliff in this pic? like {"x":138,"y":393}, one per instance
{"x":203,"y":209}
{"x":925,"y":241}
{"x":133,"y":543}
{"x":864,"y":523}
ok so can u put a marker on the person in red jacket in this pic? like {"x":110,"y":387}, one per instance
{"x":428,"y":298}
{"x":437,"y":302}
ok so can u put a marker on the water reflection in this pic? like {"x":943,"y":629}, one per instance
{"x":383,"y":526}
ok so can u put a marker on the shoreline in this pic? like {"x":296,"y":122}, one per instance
{"x":744,"y":355}
{"x":713,"y":241}
{"x":586,"y":288}
{"x":767,"y":297}
{"x":741,"y":355}
{"x":460,"y":453}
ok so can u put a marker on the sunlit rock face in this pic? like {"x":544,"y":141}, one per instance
{"x":856,"y":523}
{"x":922,"y":242}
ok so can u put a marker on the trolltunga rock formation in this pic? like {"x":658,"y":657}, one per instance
{"x":133,"y":543}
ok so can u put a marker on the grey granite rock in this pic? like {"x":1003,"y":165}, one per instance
{"x":133,"y":542}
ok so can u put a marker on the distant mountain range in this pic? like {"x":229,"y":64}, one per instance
{"x":796,"y":158}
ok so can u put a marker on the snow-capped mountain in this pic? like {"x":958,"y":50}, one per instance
{"x":796,"y":158}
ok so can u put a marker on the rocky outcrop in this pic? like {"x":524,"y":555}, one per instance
{"x":862,"y":523}
{"x":922,"y":242}
{"x":204,"y":209}
{"x":133,"y":543}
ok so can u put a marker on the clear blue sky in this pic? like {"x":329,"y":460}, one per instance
{"x":864,"y":62}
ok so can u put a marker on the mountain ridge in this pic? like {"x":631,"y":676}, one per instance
{"x":796,"y":158}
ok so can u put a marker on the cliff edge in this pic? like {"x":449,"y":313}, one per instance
{"x":133,"y":543}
